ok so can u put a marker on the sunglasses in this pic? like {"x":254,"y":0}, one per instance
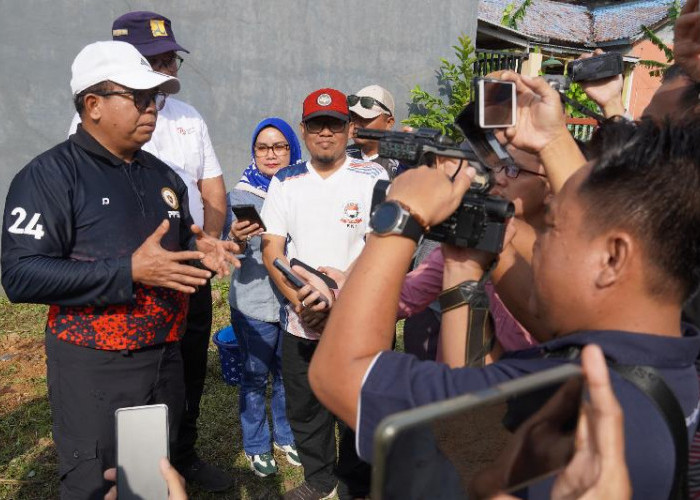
{"x":512,"y":170}
{"x":366,"y":102}
{"x":166,"y":62}
{"x":316,"y":125}
{"x":142,"y":98}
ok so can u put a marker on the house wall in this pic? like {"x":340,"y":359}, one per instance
{"x":249,"y":59}
{"x":644,"y":85}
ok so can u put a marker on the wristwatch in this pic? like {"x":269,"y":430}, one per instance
{"x":470,"y":293}
{"x":390,"y":217}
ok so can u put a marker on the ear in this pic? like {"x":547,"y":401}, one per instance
{"x":351,"y":129}
{"x":302,"y":130}
{"x":616,"y":258}
{"x":390,"y":123}
{"x":93,"y":107}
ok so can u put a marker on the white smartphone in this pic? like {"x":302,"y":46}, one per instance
{"x":496,"y":103}
{"x":142,"y":440}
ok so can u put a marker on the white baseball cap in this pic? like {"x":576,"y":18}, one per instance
{"x":380,"y":95}
{"x":118,"y":62}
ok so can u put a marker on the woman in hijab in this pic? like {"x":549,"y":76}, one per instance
{"x":255,"y":303}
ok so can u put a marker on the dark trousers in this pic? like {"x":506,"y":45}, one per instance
{"x":313,"y":427}
{"x":194,"y":346}
{"x":86,"y":386}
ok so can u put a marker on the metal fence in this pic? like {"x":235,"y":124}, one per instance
{"x":494,"y":60}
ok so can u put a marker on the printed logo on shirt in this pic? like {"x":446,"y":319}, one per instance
{"x":170,"y":198}
{"x":158,"y":27}
{"x":351,"y":214}
{"x":184,"y":131}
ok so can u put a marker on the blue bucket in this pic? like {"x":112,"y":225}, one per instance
{"x":230,"y":355}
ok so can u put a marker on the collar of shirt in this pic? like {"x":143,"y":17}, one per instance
{"x":629,"y":347}
{"x":87,"y":142}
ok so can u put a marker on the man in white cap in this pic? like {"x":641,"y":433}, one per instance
{"x":102,"y":232}
{"x":372,"y":107}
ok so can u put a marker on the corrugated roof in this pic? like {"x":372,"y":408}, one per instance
{"x":581,"y":24}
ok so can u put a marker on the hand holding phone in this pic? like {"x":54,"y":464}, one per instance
{"x":295,"y":280}
{"x":330,"y":282}
{"x":248,"y":213}
{"x":142,"y":440}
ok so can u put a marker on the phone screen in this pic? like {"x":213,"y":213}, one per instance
{"x":496,"y":104}
{"x":500,"y":445}
{"x":142,"y":440}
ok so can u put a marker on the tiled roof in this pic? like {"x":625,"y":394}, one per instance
{"x":581,"y":24}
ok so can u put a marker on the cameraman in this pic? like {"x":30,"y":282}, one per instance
{"x":609,"y":269}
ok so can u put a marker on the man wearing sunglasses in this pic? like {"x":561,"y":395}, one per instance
{"x":181,"y":140}
{"x":102,"y":232}
{"x":318,"y":210}
{"x":372,"y":107}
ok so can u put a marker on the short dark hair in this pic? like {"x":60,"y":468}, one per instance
{"x":647,"y":180}
{"x":79,"y":99}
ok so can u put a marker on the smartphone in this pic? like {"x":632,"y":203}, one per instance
{"x":496,"y":103}
{"x":248,"y":213}
{"x":295,"y":280}
{"x":330,"y":282}
{"x":142,"y":440}
{"x":501,"y":439}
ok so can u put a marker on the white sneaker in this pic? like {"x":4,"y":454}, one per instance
{"x":290,"y":451}
{"x":263,"y":465}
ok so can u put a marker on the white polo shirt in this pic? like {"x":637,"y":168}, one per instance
{"x":181,"y":139}
{"x":324,"y":220}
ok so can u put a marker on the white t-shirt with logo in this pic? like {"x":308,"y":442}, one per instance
{"x":323,"y":220}
{"x":181,"y":139}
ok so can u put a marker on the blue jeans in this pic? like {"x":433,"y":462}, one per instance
{"x":261,"y":351}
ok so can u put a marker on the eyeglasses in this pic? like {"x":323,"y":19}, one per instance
{"x":512,"y":170}
{"x":166,"y":62}
{"x":316,"y":125}
{"x":279,"y":149}
{"x":366,"y":102}
{"x":142,"y":98}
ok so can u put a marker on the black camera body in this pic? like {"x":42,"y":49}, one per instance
{"x":480,"y":220}
{"x":595,"y":68}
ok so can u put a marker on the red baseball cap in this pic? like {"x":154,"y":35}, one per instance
{"x":326,"y":102}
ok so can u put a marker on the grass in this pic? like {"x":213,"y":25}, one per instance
{"x":28,"y":462}
{"x":28,"y":459}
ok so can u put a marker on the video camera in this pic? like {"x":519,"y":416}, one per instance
{"x":480,"y":220}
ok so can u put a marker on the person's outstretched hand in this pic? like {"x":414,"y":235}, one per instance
{"x":540,"y":118}
{"x":686,"y":43}
{"x":606,"y":93}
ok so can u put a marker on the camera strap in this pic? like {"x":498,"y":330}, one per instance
{"x":480,"y":338}
{"x":581,"y":108}
{"x":648,"y":380}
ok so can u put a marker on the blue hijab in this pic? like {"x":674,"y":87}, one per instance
{"x":253,"y":178}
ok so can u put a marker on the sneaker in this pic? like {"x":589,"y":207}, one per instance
{"x":206,"y":476}
{"x":263,"y":465}
{"x":290,"y":451}
{"x":307,"y":492}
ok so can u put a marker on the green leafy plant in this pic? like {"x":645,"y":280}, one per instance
{"x":512,"y":15}
{"x":657,"y":68}
{"x":576,"y":93}
{"x":455,"y":84}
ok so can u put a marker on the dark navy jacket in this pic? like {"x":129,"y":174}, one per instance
{"x":73,"y":217}
{"x":399,"y":382}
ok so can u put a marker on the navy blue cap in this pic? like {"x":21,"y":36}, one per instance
{"x":149,"y":32}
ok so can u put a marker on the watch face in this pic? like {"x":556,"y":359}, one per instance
{"x":385,"y":217}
